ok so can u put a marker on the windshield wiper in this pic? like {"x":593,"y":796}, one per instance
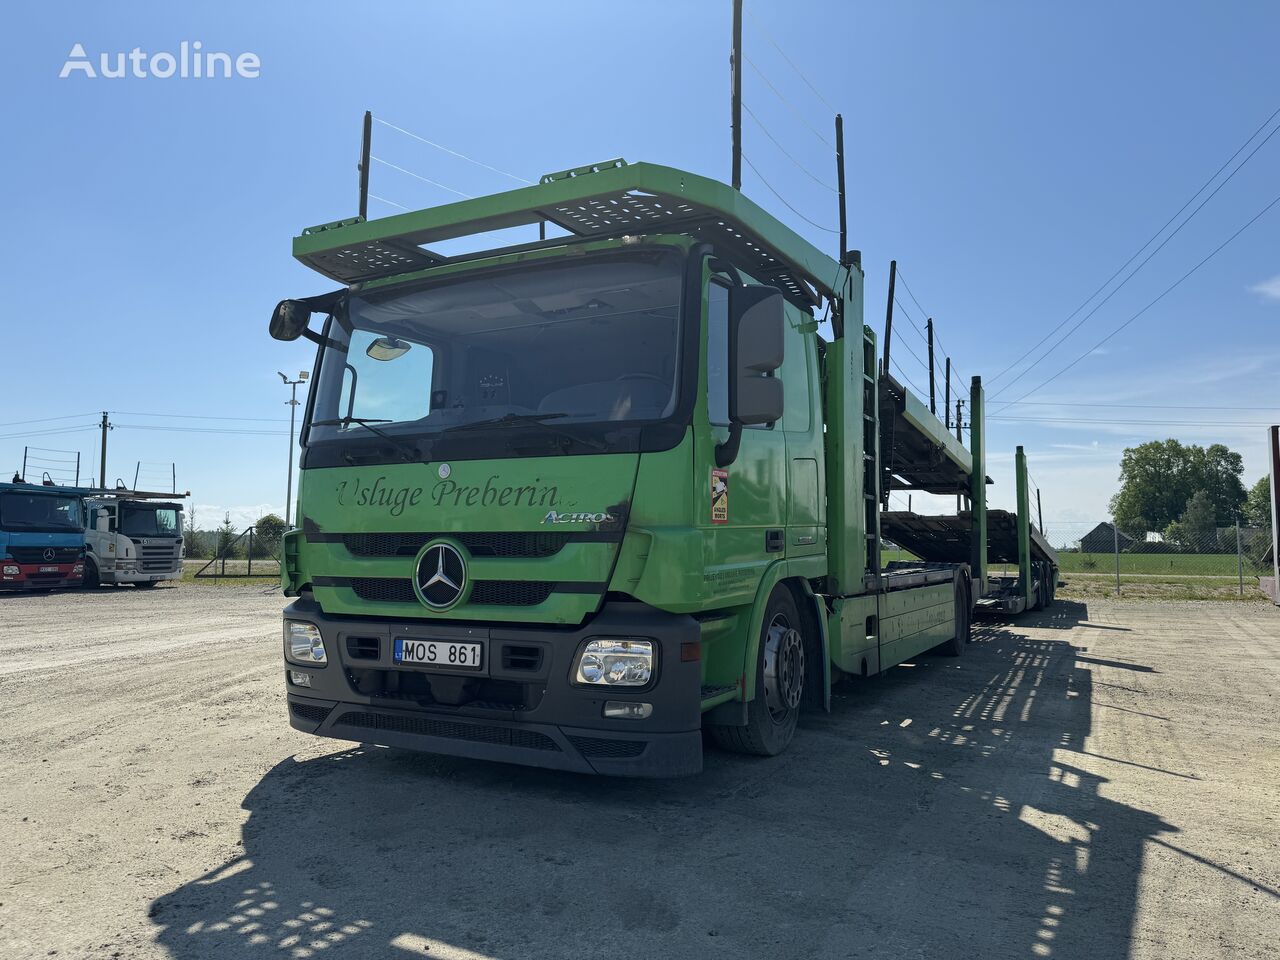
{"x":505,"y":420}
{"x":409,"y":450}
{"x":532,"y":419}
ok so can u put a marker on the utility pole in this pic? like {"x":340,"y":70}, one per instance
{"x":365,"y":142}
{"x":735,"y":64}
{"x":933,"y":393}
{"x":946,"y":403}
{"x":292,"y":403}
{"x":960,"y":437}
{"x":102,"y":463}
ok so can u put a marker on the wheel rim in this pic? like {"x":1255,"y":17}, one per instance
{"x":783,"y":668}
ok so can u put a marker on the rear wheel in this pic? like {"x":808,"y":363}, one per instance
{"x":773,"y":712}
{"x":91,"y":579}
{"x":955,"y":646}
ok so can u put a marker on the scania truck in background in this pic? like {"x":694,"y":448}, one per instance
{"x":41,"y":536}
{"x":132,"y":537}
{"x":575,"y":502}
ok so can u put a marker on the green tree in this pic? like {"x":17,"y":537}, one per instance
{"x":266,"y":535}
{"x":1158,"y":479}
{"x":226,"y":538}
{"x":1196,"y":531}
{"x":1257,"y":508}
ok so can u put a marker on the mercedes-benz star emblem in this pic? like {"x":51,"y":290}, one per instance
{"x":49,"y":553}
{"x":441,"y":576}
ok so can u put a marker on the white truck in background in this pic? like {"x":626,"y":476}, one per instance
{"x":132,"y":537}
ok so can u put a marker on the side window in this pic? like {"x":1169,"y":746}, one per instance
{"x":718,"y":354}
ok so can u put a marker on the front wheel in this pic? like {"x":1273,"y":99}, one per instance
{"x":773,"y":712}
{"x":91,"y":579}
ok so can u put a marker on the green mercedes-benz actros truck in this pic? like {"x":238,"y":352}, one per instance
{"x":577,"y":502}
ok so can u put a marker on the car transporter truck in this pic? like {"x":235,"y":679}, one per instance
{"x":577,"y":501}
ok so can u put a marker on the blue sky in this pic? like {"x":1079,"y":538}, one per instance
{"x":1010,"y":155}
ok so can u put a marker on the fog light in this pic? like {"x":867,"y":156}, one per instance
{"x":622,"y":709}
{"x":299,"y":679}
{"x":11,"y":571}
{"x":615,"y":663}
{"x":303,"y":643}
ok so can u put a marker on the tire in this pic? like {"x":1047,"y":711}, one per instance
{"x":964,"y":622}
{"x":91,"y":580}
{"x":773,"y":712}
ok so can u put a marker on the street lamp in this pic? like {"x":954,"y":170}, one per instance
{"x":293,"y":405}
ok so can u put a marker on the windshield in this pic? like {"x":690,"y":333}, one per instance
{"x":590,"y":341}
{"x":35,"y":511}
{"x":144,"y":520}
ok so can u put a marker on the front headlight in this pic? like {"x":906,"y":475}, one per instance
{"x":303,"y":643}
{"x":615,"y":663}
{"x":11,"y":570}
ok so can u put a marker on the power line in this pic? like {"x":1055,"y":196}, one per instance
{"x":1139,"y":251}
{"x":790,"y":63}
{"x":392,"y":203}
{"x":812,"y":176}
{"x":69,"y":416}
{"x":461,"y":156}
{"x":760,"y":176}
{"x":1123,"y":422}
{"x":418,"y":176}
{"x":197,"y":416}
{"x":1169,"y":289}
{"x":225,"y":430}
{"x":47,"y":433}
{"x":792,"y":107}
{"x":1131,"y":406}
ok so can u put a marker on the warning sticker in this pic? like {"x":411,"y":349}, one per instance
{"x":719,"y":496}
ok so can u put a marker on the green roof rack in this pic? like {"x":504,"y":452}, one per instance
{"x":611,"y":199}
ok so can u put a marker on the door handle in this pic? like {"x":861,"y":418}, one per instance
{"x":774,"y":541}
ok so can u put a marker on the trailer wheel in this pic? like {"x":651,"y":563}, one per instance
{"x":780,"y":673}
{"x":91,"y":579}
{"x":955,"y":646}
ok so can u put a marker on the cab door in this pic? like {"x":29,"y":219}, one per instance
{"x":743,"y":504}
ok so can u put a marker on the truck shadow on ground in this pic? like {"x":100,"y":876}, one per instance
{"x":933,"y":813}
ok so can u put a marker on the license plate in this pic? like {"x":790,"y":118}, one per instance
{"x":48,"y":569}
{"x":445,"y":654}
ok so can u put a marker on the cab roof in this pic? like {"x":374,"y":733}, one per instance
{"x":604,"y":200}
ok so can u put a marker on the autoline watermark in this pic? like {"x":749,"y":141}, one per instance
{"x":190,"y":61}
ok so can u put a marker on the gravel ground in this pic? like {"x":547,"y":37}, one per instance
{"x":1091,"y":783}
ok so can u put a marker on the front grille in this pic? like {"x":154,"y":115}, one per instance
{"x":535,"y":543}
{"x":603,"y":748}
{"x":449,"y":729}
{"x":517,"y":657}
{"x":363,"y":648}
{"x":36,"y":554}
{"x":311,"y":712}
{"x":499,"y":593}
{"x":511,"y":593}
{"x":159,"y":557}
{"x":385,"y":589}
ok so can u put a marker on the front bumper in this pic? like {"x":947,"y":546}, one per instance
{"x":30,"y":576}
{"x":542,"y":718}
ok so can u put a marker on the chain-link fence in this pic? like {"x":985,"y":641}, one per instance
{"x":1211,"y":563}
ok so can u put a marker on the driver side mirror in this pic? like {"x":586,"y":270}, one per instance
{"x":290,"y":319}
{"x":755,"y":352}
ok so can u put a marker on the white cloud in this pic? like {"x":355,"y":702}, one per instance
{"x":1268,"y":289}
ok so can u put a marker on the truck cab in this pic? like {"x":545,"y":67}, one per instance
{"x":132,"y":539}
{"x":41,"y":536}
{"x":576,"y":501}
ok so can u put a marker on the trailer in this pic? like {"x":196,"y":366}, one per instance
{"x":572,"y":501}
